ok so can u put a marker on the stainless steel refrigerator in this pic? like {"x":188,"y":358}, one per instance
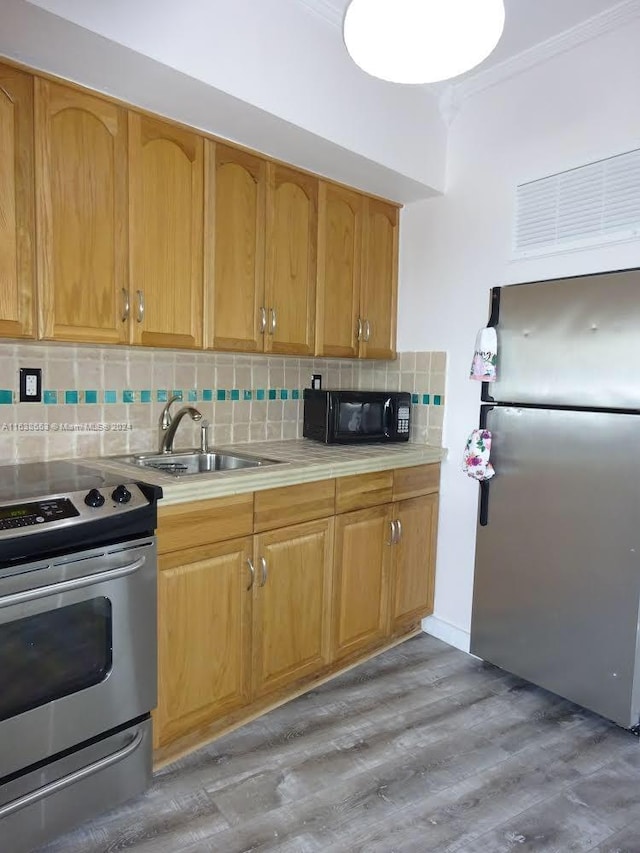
{"x":556,"y":595}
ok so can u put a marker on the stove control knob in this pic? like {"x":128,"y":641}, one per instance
{"x":121,"y":495}
{"x":94,"y":498}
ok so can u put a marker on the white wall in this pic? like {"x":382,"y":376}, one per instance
{"x":272,"y":58}
{"x":577,"y":107}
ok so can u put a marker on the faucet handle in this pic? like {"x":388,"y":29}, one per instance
{"x":204,"y":437}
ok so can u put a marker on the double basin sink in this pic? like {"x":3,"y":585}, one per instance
{"x":182,"y":463}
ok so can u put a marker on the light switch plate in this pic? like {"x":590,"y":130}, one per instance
{"x":30,"y":385}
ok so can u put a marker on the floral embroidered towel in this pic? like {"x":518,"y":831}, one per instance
{"x":485,"y":357}
{"x":476,"y":455}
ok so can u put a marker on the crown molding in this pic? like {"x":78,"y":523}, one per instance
{"x":611,"y":19}
{"x":326,"y":10}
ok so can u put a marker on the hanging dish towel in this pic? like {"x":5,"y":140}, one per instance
{"x":476,"y":455}
{"x":485,"y":357}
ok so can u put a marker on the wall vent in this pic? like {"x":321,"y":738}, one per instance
{"x":587,"y":206}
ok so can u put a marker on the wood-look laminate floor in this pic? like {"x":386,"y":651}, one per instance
{"x":421,"y":749}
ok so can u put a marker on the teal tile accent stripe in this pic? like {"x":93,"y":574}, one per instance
{"x":71,"y":397}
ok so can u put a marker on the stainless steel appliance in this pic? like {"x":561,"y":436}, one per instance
{"x":77,"y":646}
{"x":557,"y":578}
{"x":345,"y":417}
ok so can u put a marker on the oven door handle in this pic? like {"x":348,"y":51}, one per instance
{"x":64,"y":782}
{"x":75,"y":583}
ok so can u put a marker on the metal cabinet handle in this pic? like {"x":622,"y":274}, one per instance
{"x":263,"y":564}
{"x":263,"y":320}
{"x":367,"y":331}
{"x":273,"y":321}
{"x":72,"y":778}
{"x":73,"y":583}
{"x":252,"y":572}
{"x":398,"y":531}
{"x":392,"y":535}
{"x":359,"y":333}
{"x":140,"y":316}
{"x":126,"y":305}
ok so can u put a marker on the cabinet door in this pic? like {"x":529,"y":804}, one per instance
{"x":414,"y":560}
{"x":339,"y":271}
{"x":166,"y":178}
{"x":234,"y":253}
{"x":380,"y":280}
{"x":81,"y":209}
{"x":291,"y":604}
{"x":16,"y":204}
{"x":204,"y":628}
{"x":290,"y":286}
{"x":361,"y":579}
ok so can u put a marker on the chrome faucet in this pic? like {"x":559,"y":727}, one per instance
{"x":168,"y":425}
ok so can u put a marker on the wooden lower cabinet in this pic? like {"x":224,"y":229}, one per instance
{"x":414,"y":555}
{"x":291,"y":604}
{"x":246,"y":623}
{"x":361,"y":584}
{"x":204,"y":634}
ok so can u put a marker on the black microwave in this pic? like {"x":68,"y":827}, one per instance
{"x":345,"y":417}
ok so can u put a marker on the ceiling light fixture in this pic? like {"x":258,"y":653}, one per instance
{"x":421,"y":41}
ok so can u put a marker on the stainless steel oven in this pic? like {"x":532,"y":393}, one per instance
{"x":77,"y":647}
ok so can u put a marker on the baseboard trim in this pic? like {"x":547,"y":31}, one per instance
{"x":447,"y":632}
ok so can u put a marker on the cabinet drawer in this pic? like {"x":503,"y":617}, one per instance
{"x":363,"y":490}
{"x":418,"y":480}
{"x":293,"y":504}
{"x":191,"y":524}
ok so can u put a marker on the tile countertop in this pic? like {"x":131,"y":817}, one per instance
{"x":302,"y":461}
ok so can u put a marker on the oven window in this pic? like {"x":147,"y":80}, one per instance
{"x":361,"y":418}
{"x":53,"y":654}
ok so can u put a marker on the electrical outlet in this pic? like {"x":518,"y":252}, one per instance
{"x":30,"y":385}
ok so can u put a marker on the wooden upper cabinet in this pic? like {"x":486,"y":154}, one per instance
{"x":379,"y":299}
{"x":290,"y":285}
{"x":339,"y":271}
{"x":234,"y":248}
{"x":81,"y":215}
{"x":16,"y":204}
{"x":166,"y":210}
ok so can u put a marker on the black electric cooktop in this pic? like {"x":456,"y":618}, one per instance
{"x":56,"y":477}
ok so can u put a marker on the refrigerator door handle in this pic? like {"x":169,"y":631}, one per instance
{"x":484,"y":503}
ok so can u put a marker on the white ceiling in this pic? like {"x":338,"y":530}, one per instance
{"x":528,"y":24}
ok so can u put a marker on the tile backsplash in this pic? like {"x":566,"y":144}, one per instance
{"x":102,"y":401}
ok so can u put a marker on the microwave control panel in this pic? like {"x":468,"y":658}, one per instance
{"x":403,"y":419}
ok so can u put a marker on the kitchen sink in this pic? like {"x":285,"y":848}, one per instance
{"x":182,"y":463}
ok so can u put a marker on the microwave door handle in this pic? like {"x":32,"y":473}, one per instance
{"x":387,"y":417}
